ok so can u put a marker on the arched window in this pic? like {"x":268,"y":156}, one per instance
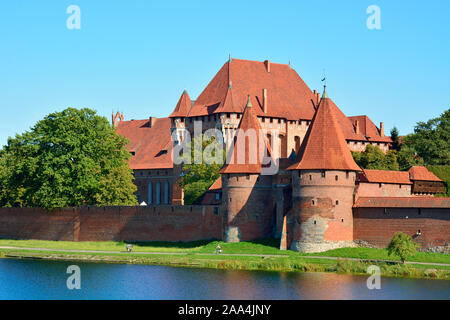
{"x":166,"y":192}
{"x":158,"y":192}
{"x":150,"y":192}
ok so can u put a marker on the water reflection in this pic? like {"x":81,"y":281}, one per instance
{"x":31,"y":279}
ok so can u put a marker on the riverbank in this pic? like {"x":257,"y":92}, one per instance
{"x":257,"y":255}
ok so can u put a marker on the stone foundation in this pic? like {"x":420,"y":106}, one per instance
{"x":312,"y":247}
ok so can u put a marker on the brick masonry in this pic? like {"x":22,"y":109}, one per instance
{"x":377,"y":225}
{"x":162,"y":223}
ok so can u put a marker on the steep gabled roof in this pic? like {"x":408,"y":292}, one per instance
{"x":422,"y":173}
{"x":183,"y":106}
{"x":288,"y":95}
{"x":384,"y":176}
{"x":324,"y":146}
{"x":252,"y":160}
{"x":152,"y":146}
{"x":369,"y":129}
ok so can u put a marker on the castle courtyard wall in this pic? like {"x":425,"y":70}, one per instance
{"x":149,"y":223}
{"x":377,"y":226}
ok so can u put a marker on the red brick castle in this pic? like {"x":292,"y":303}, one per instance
{"x":318,"y":198}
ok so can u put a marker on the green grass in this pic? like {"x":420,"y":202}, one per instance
{"x":261,"y":246}
{"x":443,"y":173}
{"x":382,"y":254}
{"x":282,"y":264}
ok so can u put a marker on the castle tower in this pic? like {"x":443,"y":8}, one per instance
{"x":247,"y":191}
{"x":323,"y":184}
{"x":178,"y":116}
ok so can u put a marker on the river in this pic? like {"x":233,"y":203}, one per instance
{"x":41,"y":279}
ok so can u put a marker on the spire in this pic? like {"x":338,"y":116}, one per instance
{"x":324,"y":146}
{"x":183,"y":106}
{"x":249,"y":103}
{"x":324,"y":95}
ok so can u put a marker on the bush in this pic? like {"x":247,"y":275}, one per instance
{"x":402,"y":246}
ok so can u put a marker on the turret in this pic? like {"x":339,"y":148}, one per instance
{"x":178,"y":116}
{"x":247,"y":195}
{"x":323,"y":182}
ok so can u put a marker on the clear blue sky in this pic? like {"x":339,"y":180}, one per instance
{"x":138,"y":56}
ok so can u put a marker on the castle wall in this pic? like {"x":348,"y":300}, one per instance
{"x":383,"y":190}
{"x":153,"y":223}
{"x":249,"y":208}
{"x":321,"y":217}
{"x":377,"y":226}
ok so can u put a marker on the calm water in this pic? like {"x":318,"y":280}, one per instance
{"x":33,"y":279}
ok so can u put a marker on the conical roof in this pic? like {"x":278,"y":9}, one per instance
{"x":183,"y":106}
{"x":248,"y":142}
{"x":230,"y":103}
{"x":324,"y":146}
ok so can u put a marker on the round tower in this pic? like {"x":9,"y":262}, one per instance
{"x":323,"y":186}
{"x":247,"y":203}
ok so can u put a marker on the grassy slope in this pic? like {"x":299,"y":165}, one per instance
{"x":443,"y":172}
{"x":262,"y":246}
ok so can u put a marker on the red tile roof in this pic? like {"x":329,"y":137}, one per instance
{"x":217,"y":185}
{"x":324,"y":146}
{"x":183,"y":106}
{"x":288,"y":95}
{"x":230,"y":103}
{"x":369,"y":129}
{"x":404,"y":202}
{"x":152,"y":146}
{"x":252,"y":160}
{"x":422,"y":173}
{"x":384,"y":176}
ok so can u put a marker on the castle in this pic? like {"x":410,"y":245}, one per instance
{"x":318,"y":198}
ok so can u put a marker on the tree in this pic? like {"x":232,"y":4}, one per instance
{"x":431,"y":140}
{"x":70,"y":158}
{"x":408,"y":157}
{"x":374,"y":158}
{"x":402,"y":246}
{"x":395,"y":139}
{"x":199,"y":177}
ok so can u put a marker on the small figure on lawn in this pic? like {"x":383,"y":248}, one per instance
{"x":129,"y":247}
{"x":218,"y":249}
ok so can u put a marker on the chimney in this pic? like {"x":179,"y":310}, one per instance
{"x":265,"y":100}
{"x":357,"y":126}
{"x":267,"y":64}
{"x":317,"y":96}
{"x":151,"y":121}
{"x":381,"y":129}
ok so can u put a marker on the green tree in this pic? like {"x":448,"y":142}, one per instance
{"x":374,"y":158}
{"x":431,"y":140}
{"x":390,"y":161}
{"x":70,"y":158}
{"x":402,"y":246}
{"x":408,"y":157}
{"x":198,"y":177}
{"x":395,"y":139}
